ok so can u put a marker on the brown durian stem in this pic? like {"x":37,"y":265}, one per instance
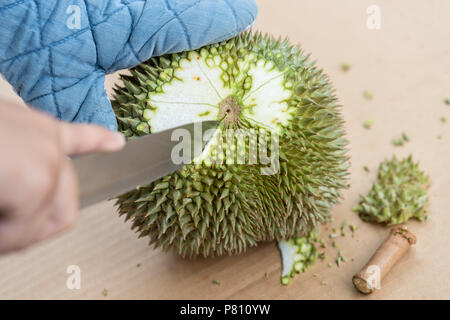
{"x":386,"y":256}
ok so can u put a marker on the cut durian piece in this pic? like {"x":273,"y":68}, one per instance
{"x":297,"y":255}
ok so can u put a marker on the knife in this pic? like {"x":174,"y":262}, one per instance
{"x":145,"y":159}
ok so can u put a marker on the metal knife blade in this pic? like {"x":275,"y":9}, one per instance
{"x":102,"y":176}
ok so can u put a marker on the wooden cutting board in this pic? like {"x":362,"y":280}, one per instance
{"x":406,"y":66}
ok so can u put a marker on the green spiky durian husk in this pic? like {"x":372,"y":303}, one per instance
{"x":399,"y":194}
{"x":213,"y":209}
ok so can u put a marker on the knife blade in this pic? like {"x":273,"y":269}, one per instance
{"x":102,"y":176}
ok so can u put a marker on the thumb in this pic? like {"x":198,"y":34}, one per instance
{"x":84,"y":138}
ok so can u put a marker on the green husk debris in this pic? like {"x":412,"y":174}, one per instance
{"x":401,"y":141}
{"x":297,"y":254}
{"x":405,"y":137}
{"x":340,"y":258}
{"x":399,"y":194}
{"x":352,"y":229}
{"x":345,"y":66}
{"x":368,"y":124}
{"x":334,"y":235}
{"x":368,"y":95}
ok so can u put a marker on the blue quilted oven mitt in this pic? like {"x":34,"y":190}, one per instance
{"x":55,"y":53}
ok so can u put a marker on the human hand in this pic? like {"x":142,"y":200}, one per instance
{"x":38,"y":190}
{"x":56,"y":53}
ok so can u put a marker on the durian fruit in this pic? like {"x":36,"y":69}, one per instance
{"x":399,"y":194}
{"x":297,"y":255}
{"x":220,"y":207}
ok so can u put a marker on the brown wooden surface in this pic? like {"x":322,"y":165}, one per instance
{"x":406,"y":64}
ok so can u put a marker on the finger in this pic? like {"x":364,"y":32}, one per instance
{"x":64,"y":207}
{"x":59,"y":213}
{"x":13,"y":236}
{"x":21,"y":229}
{"x":16,"y":234}
{"x":84,"y":138}
{"x":26,"y":226}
